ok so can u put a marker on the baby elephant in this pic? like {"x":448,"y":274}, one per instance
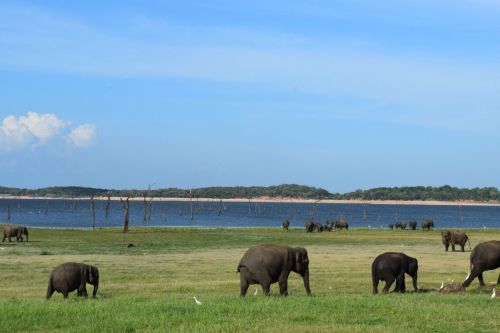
{"x":392,"y":266}
{"x":267,"y":264}
{"x":15,"y":231}
{"x":73,"y":276}
{"x":454,"y":237}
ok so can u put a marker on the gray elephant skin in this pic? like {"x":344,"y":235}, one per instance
{"x":285,"y":224}
{"x":452,"y":238}
{"x":392,"y":266}
{"x":309,"y":226}
{"x":484,"y":257}
{"x":341,"y":224}
{"x":72,"y":276}
{"x":427,"y":224}
{"x":267,"y":264}
{"x":15,"y":231}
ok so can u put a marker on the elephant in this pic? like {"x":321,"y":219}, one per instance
{"x":413,"y":225}
{"x":484,"y":257}
{"x":72,"y":276}
{"x":17,"y":231}
{"x":391,"y":226}
{"x":309,"y":226}
{"x":341,"y":224}
{"x":427,"y":224}
{"x":285,"y":224}
{"x":392,"y":266}
{"x":454,"y":237}
{"x":400,"y":225}
{"x":329,"y":225}
{"x":267,"y":264}
{"x":318,"y":227}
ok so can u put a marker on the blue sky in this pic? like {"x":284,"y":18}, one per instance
{"x":335,"y":94}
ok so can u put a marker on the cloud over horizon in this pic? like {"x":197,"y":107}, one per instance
{"x":34,"y":130}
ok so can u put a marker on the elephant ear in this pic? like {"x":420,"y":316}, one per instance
{"x":298,"y":260}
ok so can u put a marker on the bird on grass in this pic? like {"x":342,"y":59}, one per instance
{"x":255,"y":292}
{"x":494,"y":293}
{"x":442,"y":285}
{"x":196,"y":300}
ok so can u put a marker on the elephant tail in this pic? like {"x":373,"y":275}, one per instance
{"x":239,"y":266}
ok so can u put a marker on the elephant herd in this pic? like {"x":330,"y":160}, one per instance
{"x":268,"y":264}
{"x":412,"y":225}
{"x":311,"y":226}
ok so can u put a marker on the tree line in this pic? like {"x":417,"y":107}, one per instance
{"x":426,"y":193}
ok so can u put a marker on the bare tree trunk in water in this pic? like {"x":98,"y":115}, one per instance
{"x":191,"y":205}
{"x":18,"y":200}
{"x":46,"y":210}
{"x":74,"y":203}
{"x":220,"y":206}
{"x":145,"y":207}
{"x":92,"y":204}
{"x":126,"y":207}
{"x":249,"y":206}
{"x":8,"y":212}
{"x":108,"y":204}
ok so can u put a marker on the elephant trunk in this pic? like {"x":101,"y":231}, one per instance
{"x":305,"y":277}
{"x":415,"y":281}
{"x":96,"y":285}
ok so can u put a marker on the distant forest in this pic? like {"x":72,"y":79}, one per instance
{"x":442,"y":193}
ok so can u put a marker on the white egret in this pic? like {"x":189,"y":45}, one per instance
{"x":494,"y":294}
{"x":255,"y":292}
{"x":442,"y":285}
{"x":196,"y":300}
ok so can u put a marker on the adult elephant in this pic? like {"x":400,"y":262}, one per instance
{"x":318,"y":227}
{"x":15,"y":231}
{"x":341,"y":224}
{"x":412,"y":225}
{"x":72,"y":276}
{"x":285,"y":224}
{"x":427,"y":224}
{"x":392,"y":266}
{"x":454,"y":237}
{"x":309,"y":226}
{"x":267,"y":264}
{"x":329,"y":225}
{"x":484,"y":257}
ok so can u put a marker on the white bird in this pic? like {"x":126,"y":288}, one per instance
{"x":442,"y":285}
{"x":484,"y":227}
{"x":494,"y":294}
{"x":196,"y":300}
{"x":255,"y":292}
{"x":467,"y":276}
{"x":2,"y":248}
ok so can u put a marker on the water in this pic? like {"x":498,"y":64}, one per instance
{"x":59,"y":214}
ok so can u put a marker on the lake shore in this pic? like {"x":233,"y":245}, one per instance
{"x":275,"y":200}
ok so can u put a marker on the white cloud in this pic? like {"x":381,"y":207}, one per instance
{"x":83,"y":136}
{"x":34,"y":130}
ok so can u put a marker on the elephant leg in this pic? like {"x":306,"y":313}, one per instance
{"x":83,"y":292}
{"x":498,"y":282}
{"x":50,"y":291}
{"x":266,"y":287}
{"x":65,"y":294}
{"x":388,"y":283}
{"x":243,"y":287}
{"x":480,"y":278}
{"x":283,"y":287}
{"x":446,"y":247}
{"x":3,"y":240}
{"x":375,"y":285}
{"x":463,"y":247}
{"x":453,"y":247}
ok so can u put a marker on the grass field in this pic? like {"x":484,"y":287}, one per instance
{"x":150,"y":287}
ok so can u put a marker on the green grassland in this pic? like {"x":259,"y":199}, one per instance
{"x":150,"y":287}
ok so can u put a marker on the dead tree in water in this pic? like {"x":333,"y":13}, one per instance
{"x":108,"y":204}
{"x":144,"y":195}
{"x":191,"y":204}
{"x":46,"y":210}
{"x":147,"y":205}
{"x":220,"y":207}
{"x":249,"y":206}
{"x":8,"y":212}
{"x":92,"y":205}
{"x":126,"y":207}
{"x":18,"y":200}
{"x":74,"y":203}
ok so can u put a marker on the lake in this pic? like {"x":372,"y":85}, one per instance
{"x":61,"y":214}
